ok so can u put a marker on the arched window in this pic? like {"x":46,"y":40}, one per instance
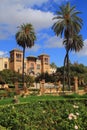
{"x":32,"y":66}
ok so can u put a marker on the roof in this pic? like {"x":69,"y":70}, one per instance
{"x":15,"y":49}
{"x":43,"y":54}
{"x":32,"y":57}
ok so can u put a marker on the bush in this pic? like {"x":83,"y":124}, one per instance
{"x":45,"y":115}
{"x":2,"y":128}
{"x":11,"y":94}
{"x":34,"y":91}
{"x":11,"y":86}
{"x":3,"y":93}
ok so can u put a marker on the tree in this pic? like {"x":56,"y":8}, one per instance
{"x":10,"y":76}
{"x":67,"y":25}
{"x":53,"y":65}
{"x":25,"y":38}
{"x":76,"y":45}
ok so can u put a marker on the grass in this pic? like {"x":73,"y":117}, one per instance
{"x":6,"y":101}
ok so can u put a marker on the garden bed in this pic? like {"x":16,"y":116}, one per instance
{"x":45,"y":114}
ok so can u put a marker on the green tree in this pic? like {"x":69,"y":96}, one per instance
{"x":68,"y":24}
{"x":53,"y":65}
{"x":25,"y":38}
{"x":10,"y":77}
{"x":76,"y":45}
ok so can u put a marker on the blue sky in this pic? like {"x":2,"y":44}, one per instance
{"x":40,"y":13}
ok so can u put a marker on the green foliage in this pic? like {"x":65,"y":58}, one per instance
{"x":68,"y":28}
{"x":25,"y":38}
{"x":34,"y":91}
{"x":6,"y":101}
{"x":11,"y":94}
{"x":1,"y":80}
{"x":12,"y":86}
{"x":10,"y":77}
{"x":29,"y":80}
{"x":2,"y":128}
{"x":76,"y":69}
{"x":48,"y":77}
{"x":53,"y":65}
{"x":3,"y":93}
{"x":45,"y":115}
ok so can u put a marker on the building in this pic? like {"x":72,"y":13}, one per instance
{"x":4,"y":63}
{"x":32,"y":65}
{"x":15,"y":60}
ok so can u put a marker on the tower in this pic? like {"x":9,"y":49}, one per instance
{"x":16,"y":59}
{"x":45,"y":63}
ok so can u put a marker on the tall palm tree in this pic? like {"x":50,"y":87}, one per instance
{"x":67,"y":24}
{"x":75,"y":44}
{"x":25,"y":38}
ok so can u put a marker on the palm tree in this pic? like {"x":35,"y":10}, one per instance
{"x":25,"y":38}
{"x":76,"y":45}
{"x":67,"y":24}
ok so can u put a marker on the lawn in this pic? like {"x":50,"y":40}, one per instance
{"x":21,"y":99}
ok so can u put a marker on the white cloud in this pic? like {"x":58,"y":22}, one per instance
{"x":51,"y":42}
{"x":14,"y":13}
{"x":27,"y":3}
{"x":2,"y":53}
{"x":35,"y":48}
{"x":54,"y":42}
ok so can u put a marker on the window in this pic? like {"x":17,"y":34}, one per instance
{"x":12,"y":57}
{"x":46,"y":60}
{"x":38,"y":66}
{"x":32,"y":66}
{"x":5,"y":65}
{"x":18,"y":57}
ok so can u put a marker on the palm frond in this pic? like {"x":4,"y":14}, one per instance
{"x":25,"y":37}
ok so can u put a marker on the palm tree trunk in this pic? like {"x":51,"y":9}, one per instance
{"x":64,"y":73}
{"x":23,"y":66}
{"x":66,"y":60}
{"x":68,"y":70}
{"x":68,"y":67}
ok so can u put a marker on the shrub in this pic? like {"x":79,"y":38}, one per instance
{"x":45,"y":115}
{"x":2,"y":128}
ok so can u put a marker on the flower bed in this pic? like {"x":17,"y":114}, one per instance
{"x":45,"y":115}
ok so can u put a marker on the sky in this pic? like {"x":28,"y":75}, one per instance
{"x":39,"y":13}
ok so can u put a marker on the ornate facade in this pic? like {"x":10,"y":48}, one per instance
{"x":32,"y":65}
